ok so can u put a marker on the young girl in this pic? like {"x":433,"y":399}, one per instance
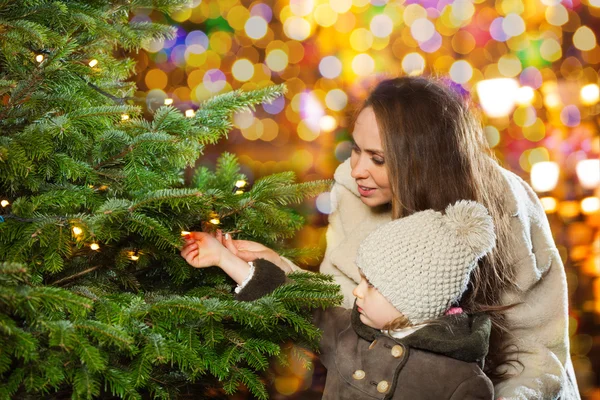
{"x":400,"y":341}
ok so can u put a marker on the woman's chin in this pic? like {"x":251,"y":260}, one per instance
{"x":371,"y":201}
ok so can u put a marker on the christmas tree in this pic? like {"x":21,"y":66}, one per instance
{"x":95,"y":301}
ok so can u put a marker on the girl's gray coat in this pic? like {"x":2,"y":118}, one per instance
{"x":437,"y":362}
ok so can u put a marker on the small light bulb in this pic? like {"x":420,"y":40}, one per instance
{"x":134,"y":257}
{"x":124,"y":117}
{"x":189,"y":113}
{"x":168,"y":102}
{"x":215,"y":221}
{"x":93,"y":63}
{"x":4,"y":203}
{"x":239,"y":191}
{"x":77,"y":230}
{"x":241,"y":183}
{"x":39,"y":58}
{"x":185,"y":233}
{"x":95,"y":246}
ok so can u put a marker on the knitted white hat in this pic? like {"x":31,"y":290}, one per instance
{"x":421,"y":263}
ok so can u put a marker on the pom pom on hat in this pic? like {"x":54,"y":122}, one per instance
{"x":472,"y":226}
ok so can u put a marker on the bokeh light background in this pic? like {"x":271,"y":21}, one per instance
{"x":530,"y":65}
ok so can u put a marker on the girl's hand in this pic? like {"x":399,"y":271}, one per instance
{"x":202,"y":250}
{"x":248,"y":250}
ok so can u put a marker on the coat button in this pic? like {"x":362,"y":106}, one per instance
{"x":397,"y":351}
{"x":358,"y":374}
{"x":383,"y":386}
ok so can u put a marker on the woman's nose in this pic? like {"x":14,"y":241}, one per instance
{"x":358,"y":170}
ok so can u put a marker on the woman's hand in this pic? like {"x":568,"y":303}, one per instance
{"x":202,"y":250}
{"x":248,"y":250}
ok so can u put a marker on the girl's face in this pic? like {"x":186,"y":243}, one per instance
{"x":368,"y":162}
{"x":375,"y":311}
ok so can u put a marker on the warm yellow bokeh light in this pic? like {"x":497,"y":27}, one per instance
{"x":524,"y":96}
{"x":336,"y":100}
{"x":509,"y":65}
{"x":306,"y":133}
{"x":590,"y":205}
{"x":325,"y":15}
{"x":590,"y":94}
{"x":242,"y":70}
{"x":557,"y":15}
{"x":461,"y":71}
{"x":340,"y":6}
{"x":544,"y":176}
{"x":156,"y":79}
{"x":584,"y":38}
{"x":277,"y":60}
{"x":551,"y":50}
{"x":413,"y":12}
{"x":297,"y":28}
{"x":550,"y":204}
{"x":361,"y":39}
{"x":327,"y":123}
{"x":413,"y":64}
{"x":256,"y":27}
{"x":363,"y":64}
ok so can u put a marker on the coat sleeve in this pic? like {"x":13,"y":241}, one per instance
{"x":266,"y":278}
{"x":478,"y":387}
{"x":539,"y":324}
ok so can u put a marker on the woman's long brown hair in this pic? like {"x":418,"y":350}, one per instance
{"x":436,"y":154}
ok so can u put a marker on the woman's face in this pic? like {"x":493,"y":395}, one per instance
{"x":367,"y":161}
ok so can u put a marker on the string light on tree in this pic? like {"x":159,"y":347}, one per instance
{"x":4,"y":203}
{"x":124,"y":117}
{"x":134,"y":255}
{"x":185,"y":233}
{"x":39,"y":58}
{"x":239,"y":185}
{"x":93,"y":63}
{"x":168,"y":101}
{"x":95,"y":246}
{"x":77,"y":231}
{"x":215,"y":221}
{"x":189,"y":113}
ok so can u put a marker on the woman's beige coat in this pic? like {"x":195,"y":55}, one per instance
{"x":539,"y":325}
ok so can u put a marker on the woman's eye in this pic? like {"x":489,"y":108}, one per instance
{"x":378,"y":161}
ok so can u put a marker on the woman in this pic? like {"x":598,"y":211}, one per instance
{"x":417,"y":146}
